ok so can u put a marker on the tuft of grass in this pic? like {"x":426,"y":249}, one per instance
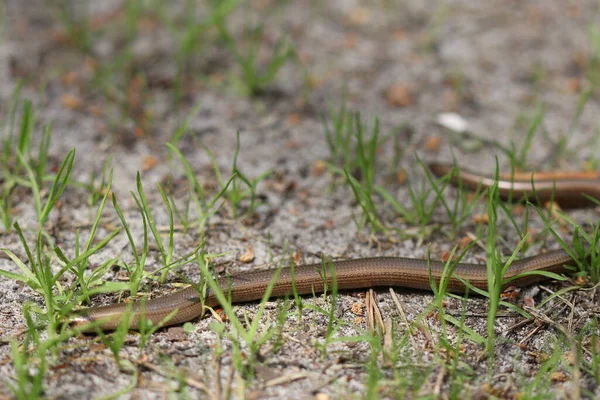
{"x":584,"y":248}
{"x":327,"y":271}
{"x":458,"y":213}
{"x":521,"y":231}
{"x":423,"y":206}
{"x":98,"y":192}
{"x":58,"y":186}
{"x":369,"y":210}
{"x":137,"y":272}
{"x":519,"y":160}
{"x":236,"y":190}
{"x":355,"y":152}
{"x":182,"y":215}
{"x":233,"y":188}
{"x":248,"y":335}
{"x":584,"y":97}
{"x":593,"y":70}
{"x":351,"y":146}
{"x":38,"y":275}
{"x":146,"y":212}
{"x":19,"y":143}
{"x":195,"y":30}
{"x":79,"y":265}
{"x":440,"y":290}
{"x":116,"y":340}
{"x":255,"y":76}
{"x":74,"y":17}
{"x":29,"y":361}
{"x":493,"y":267}
{"x":354,"y":157}
{"x":205,"y":207}
{"x":182,"y":129}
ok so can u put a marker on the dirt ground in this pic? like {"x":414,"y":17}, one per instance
{"x":405,"y":62}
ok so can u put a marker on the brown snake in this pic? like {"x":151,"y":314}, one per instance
{"x":358,"y":273}
{"x":569,"y":189}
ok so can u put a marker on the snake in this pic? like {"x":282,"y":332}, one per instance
{"x":568,"y":189}
{"x":359,"y":273}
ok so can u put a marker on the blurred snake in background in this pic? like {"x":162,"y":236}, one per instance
{"x":567,"y":189}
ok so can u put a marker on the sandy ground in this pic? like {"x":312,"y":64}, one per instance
{"x":405,"y":62}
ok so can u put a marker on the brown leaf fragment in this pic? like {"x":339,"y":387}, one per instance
{"x":559,"y":376}
{"x":399,"y":96}
{"x":248,"y":255}
{"x":357,"y":308}
{"x":71,"y":101}
{"x":432,"y":144}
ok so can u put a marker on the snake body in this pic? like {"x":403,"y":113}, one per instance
{"x":362,"y":273}
{"x":357,"y":273}
{"x":567,"y":189}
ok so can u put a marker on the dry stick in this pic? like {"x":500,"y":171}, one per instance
{"x":535,"y":329}
{"x":370,"y":317}
{"x":426,"y":331}
{"x":217,"y":366}
{"x":297,"y":341}
{"x":241,"y":386}
{"x":482,"y":315}
{"x":189,"y":381}
{"x":528,"y":320}
{"x":476,"y":240}
{"x":518,"y":325}
{"x":568,"y":303}
{"x":286,"y":379}
{"x":403,"y":317}
{"x":374,"y":312}
{"x":388,"y":342}
{"x":531,"y":333}
{"x":229,"y":383}
{"x":438,"y":382}
{"x":14,"y":336}
{"x":336,"y":373}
